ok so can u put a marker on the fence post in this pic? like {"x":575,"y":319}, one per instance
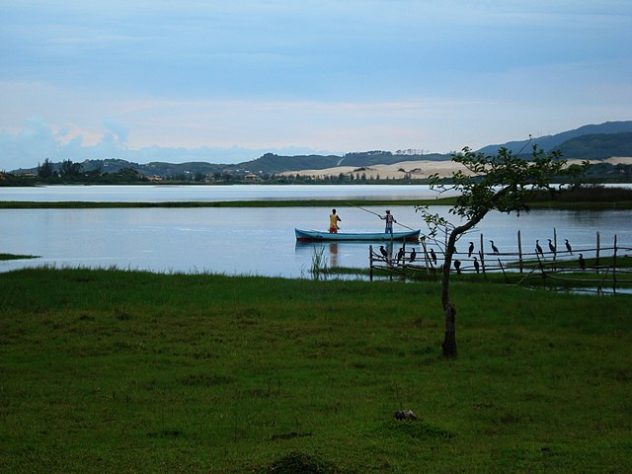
{"x":426,"y":258}
{"x":614,"y":266}
{"x":482,"y":254}
{"x":370,"y":262}
{"x":520,"y":251}
{"x":597,"y":253}
{"x":555,"y":247}
{"x":404,"y":260}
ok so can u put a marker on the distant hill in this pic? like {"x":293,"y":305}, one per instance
{"x":553,"y":142}
{"x":271,"y":163}
{"x":587,"y":142}
{"x":598,"y":146}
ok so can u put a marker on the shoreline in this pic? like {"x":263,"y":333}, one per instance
{"x":558,"y":205}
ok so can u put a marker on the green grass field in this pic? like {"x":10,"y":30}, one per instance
{"x":110,"y":371}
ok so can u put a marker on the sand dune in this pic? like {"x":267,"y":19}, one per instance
{"x":413,"y":169}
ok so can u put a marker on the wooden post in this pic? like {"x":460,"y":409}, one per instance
{"x":614,"y":266}
{"x":426,"y":258}
{"x":370,"y":262}
{"x":502,"y":269}
{"x":404,"y":260}
{"x":555,"y":247}
{"x":482,"y":254}
{"x":520,"y":251}
{"x":597,"y":253}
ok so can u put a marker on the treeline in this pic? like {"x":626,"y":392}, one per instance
{"x":68,"y":172}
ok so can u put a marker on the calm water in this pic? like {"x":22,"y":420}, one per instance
{"x":252,"y":240}
{"x":166,"y":193}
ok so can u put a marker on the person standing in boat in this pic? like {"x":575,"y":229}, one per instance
{"x":333,"y":222}
{"x":389,"y":222}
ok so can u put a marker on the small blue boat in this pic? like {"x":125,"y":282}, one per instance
{"x":320,"y":236}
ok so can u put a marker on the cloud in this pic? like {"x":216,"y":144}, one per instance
{"x":218,"y":79}
{"x":38,"y":140}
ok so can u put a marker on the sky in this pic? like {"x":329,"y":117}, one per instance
{"x":228,"y":80}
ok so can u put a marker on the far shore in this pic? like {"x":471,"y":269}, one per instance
{"x":417,"y":170}
{"x":549,"y":204}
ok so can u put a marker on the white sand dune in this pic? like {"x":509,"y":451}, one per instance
{"x":414,"y":169}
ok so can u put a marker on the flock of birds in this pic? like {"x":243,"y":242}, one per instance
{"x":401,"y":254}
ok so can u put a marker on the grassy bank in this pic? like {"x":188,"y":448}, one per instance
{"x":183,"y":204}
{"x":10,"y":256}
{"x":106,"y":371}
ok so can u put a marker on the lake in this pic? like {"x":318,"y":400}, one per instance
{"x":206,"y":193}
{"x":250,"y":241}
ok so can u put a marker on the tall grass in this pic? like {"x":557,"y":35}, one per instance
{"x":319,"y":265}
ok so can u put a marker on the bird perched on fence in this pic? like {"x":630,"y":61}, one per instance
{"x":413,"y":254}
{"x":400,"y":254}
{"x":552,"y":247}
{"x":494,"y":248}
{"x":470,"y":249}
{"x":383,"y":252}
{"x":433,"y":256}
{"x":538,"y":249}
{"x":568,"y":246}
{"x":582,"y":262}
{"x":476,"y":265}
{"x":457,"y":265}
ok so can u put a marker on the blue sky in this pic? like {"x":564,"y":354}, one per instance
{"x":226,"y":81}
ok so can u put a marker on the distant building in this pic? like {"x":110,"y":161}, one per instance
{"x":251,"y":178}
{"x":154,"y":178}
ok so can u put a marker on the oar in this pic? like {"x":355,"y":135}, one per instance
{"x":367,"y":210}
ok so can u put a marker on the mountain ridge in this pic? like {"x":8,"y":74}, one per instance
{"x":595,"y":141}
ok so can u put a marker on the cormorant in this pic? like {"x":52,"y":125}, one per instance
{"x":457,"y":265}
{"x":551,"y":246}
{"x":470,"y":249}
{"x":538,"y":249}
{"x":476,"y":265}
{"x":400,"y":254}
{"x":433,"y":256}
{"x":413,"y":254}
{"x":383,"y":252}
{"x":494,"y":248}
{"x":582,"y":262}
{"x":568,"y":246}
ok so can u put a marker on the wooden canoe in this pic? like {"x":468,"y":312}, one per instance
{"x":320,"y":236}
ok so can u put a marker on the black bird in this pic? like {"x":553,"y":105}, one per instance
{"x":457,"y":265}
{"x":568,"y":246}
{"x":494,"y":248}
{"x":538,"y":249}
{"x":433,"y":256}
{"x":413,"y":254}
{"x":383,"y":252}
{"x":582,"y":262}
{"x":476,"y":265}
{"x":400,"y":254}
{"x":552,"y":247}
{"x":470,"y":249}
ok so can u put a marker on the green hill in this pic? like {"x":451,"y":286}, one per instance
{"x":598,"y":146}
{"x":552,"y":142}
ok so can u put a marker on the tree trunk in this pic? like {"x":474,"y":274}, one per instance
{"x":449,"y":339}
{"x":449,"y":311}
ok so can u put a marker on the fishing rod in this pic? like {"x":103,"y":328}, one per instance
{"x":378,"y":215}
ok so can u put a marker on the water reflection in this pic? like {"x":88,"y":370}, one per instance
{"x":261,"y":240}
{"x":333,"y":254}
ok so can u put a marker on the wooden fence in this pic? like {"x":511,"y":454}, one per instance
{"x":601,"y":266}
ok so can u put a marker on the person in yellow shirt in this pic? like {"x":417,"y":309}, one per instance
{"x":333,"y":222}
